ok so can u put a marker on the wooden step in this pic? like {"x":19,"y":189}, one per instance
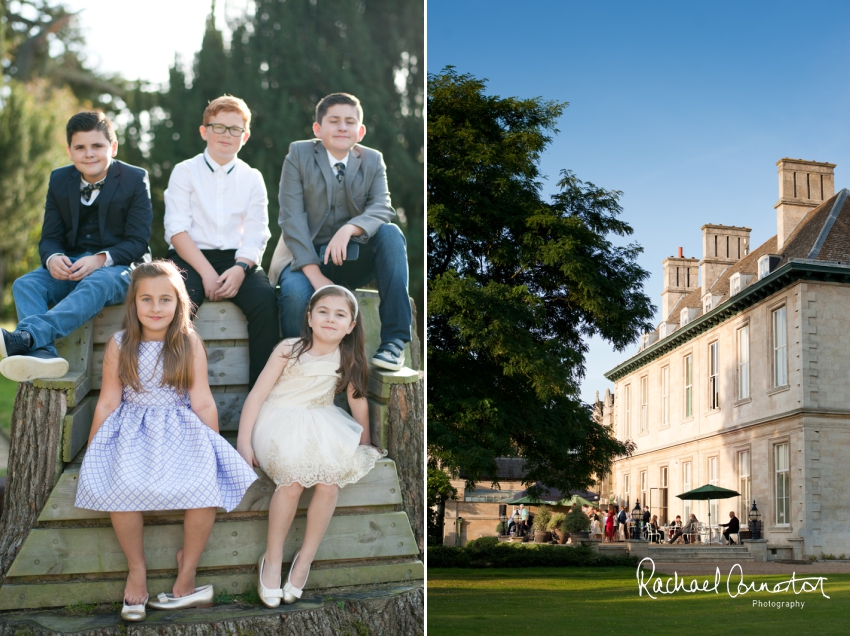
{"x":379,"y":487}
{"x":54,"y":551}
{"x":19,"y":594}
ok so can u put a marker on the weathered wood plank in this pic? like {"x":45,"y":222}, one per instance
{"x":229,"y":408}
{"x":76,"y":428}
{"x":378,"y":488}
{"x":50,"y":551}
{"x":225,"y":366}
{"x":215,"y":321}
{"x":378,"y":422}
{"x":59,"y":594}
{"x":381,"y":381}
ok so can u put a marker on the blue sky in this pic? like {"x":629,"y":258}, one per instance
{"x":685,"y":107}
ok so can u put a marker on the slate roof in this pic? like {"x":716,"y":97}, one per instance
{"x":822,"y":235}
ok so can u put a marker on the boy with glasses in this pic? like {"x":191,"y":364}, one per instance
{"x":216,"y":222}
{"x":335,"y":214}
{"x":97,"y":224}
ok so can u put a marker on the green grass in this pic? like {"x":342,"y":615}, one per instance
{"x":8,"y":389}
{"x":596,"y":601}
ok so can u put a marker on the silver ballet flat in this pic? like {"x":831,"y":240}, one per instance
{"x":269,"y":596}
{"x":134,"y":613}
{"x":290,"y":592}
{"x":201,"y":597}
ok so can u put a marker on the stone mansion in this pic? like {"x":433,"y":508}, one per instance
{"x":745,"y":383}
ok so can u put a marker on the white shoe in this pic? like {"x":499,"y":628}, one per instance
{"x":290,"y":592}
{"x":37,"y":365}
{"x":134,"y":613}
{"x":269,"y":597}
{"x":203,"y":596}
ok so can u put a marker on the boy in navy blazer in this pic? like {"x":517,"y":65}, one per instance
{"x":97,"y":224}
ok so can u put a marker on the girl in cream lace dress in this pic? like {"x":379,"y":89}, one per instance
{"x":292,"y":430}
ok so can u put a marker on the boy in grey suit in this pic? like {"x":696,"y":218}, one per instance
{"x":334,"y":215}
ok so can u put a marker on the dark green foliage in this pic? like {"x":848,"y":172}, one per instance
{"x":576,"y":521}
{"x":440,"y":490}
{"x":482,"y":543}
{"x":518,"y":555}
{"x":517,"y":285}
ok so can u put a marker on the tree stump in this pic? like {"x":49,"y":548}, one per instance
{"x":383,"y":612}
{"x":407,"y":448}
{"x":33,"y":457}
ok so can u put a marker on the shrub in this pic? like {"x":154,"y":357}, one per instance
{"x":482,"y":542}
{"x":541,"y":519}
{"x":576,"y":521}
{"x":501,"y":528}
{"x":556,"y":521}
{"x":519,"y":555}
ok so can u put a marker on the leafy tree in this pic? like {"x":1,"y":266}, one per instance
{"x":32,"y":141}
{"x":516,"y":285}
{"x":440,"y":490}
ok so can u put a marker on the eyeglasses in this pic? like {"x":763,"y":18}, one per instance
{"x":235,"y":131}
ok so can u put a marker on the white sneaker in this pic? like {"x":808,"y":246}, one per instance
{"x":37,"y":365}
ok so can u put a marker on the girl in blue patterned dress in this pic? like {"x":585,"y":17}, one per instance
{"x":154,"y":442}
{"x":292,"y":430}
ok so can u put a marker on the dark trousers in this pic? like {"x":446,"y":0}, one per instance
{"x":728,"y":532}
{"x":384,"y":258}
{"x":255,"y":298}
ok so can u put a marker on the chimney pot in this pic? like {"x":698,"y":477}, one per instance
{"x":680,"y":252}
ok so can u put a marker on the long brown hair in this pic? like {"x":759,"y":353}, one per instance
{"x":176,"y":350}
{"x":353,"y":366}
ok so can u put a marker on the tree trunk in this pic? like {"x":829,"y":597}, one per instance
{"x":407,"y":448}
{"x":376,"y":613}
{"x":35,"y":440}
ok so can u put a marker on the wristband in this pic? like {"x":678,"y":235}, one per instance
{"x":244,"y":266}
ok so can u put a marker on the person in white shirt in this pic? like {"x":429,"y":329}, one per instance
{"x":216,"y":224}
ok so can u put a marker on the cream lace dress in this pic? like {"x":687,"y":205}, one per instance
{"x":301,"y":437}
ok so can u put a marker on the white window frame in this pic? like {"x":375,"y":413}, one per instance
{"x":688,"y":377}
{"x":687,"y":480}
{"x":663,"y":476}
{"x":764,"y":266}
{"x":779,"y":346}
{"x":745,"y":484}
{"x":665,"y":396}
{"x":627,"y":411}
{"x":626,"y":487}
{"x":743,"y":347}
{"x":714,"y":375}
{"x":644,"y":502}
{"x":782,"y":484}
{"x":644,"y":404}
{"x":735,"y":284}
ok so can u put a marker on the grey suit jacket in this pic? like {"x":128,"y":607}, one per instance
{"x":305,"y":200}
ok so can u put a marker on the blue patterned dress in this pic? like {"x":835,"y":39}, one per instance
{"x":153,"y":453}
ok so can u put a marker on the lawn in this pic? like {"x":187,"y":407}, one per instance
{"x":596,"y":601}
{"x":7,"y":402}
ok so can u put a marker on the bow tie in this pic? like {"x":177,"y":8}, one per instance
{"x":340,"y":171}
{"x":87,"y":189}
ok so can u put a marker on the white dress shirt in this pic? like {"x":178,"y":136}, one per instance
{"x":221,"y":207}
{"x":334,"y":161}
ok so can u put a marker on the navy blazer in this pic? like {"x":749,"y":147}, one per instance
{"x":124,"y":209}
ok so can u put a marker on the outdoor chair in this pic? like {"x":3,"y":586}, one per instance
{"x":652,"y":534}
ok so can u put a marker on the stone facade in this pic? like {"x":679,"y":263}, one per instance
{"x":745,"y":383}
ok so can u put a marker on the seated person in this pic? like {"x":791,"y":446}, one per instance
{"x":335,"y":214}
{"x":216,"y":221}
{"x":97,"y":224}
{"x":689,"y":530}
{"x":731,"y":528}
{"x":675,"y":529}
{"x":654,"y":531}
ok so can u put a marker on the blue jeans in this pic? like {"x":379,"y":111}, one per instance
{"x":74,"y":302}
{"x":383,"y":258}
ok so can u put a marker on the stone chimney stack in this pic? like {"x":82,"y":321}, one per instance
{"x":803,"y":185}
{"x":722,"y":246}
{"x":680,"y":278}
